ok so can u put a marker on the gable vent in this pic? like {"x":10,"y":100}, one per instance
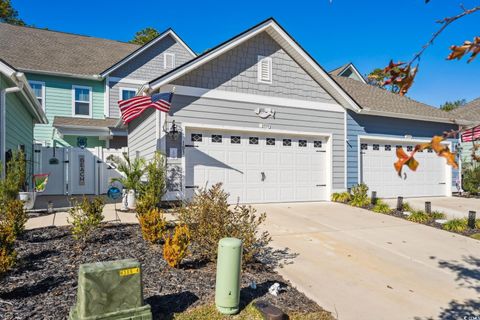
{"x":168,"y":61}
{"x":264,"y":69}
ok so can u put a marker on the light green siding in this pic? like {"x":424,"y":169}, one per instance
{"x":91,"y":141}
{"x":19,"y":123}
{"x":58,"y":102}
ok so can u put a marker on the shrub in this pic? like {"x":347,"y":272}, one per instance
{"x":86,"y":217}
{"x":15,"y":215}
{"x":176,"y":248}
{"x":210,"y":218}
{"x":132,"y":171}
{"x":407,"y":207}
{"x":153,"y":225}
{"x":342,"y":197}
{"x":359,"y":196}
{"x":475,"y":236}
{"x":456,"y":225}
{"x":381,"y":207}
{"x":471,"y":179}
{"x":7,"y":240}
{"x":419,"y":217}
{"x":153,"y":190}
{"x":437,"y":215}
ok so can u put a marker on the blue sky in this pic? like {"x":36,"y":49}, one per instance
{"x":368,"y":33}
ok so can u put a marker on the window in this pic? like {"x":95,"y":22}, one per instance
{"x":196,"y":137}
{"x":253,"y":140}
{"x":317,"y":144}
{"x":82,"y":101}
{"x":127,"y":93}
{"x":235,"y":139}
{"x":38,"y":89}
{"x":264,"y":69}
{"x":302,"y":143}
{"x":287,"y":142}
{"x":364,"y":146}
{"x":270,"y":141}
{"x":409,"y":148}
{"x":216,"y":138}
{"x":376,"y":147}
{"x":168,"y":60}
{"x":388,"y":147}
{"x":398,"y":147}
{"x":429,"y":150}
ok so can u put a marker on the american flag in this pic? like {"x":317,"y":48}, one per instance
{"x":471,"y":134}
{"x":132,"y":108}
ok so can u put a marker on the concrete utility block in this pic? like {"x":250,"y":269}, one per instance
{"x":110,"y":290}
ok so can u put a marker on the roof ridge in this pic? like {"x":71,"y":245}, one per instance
{"x":67,"y":33}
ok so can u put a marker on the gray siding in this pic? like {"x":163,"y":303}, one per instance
{"x":142,"y":139}
{"x":390,"y":127}
{"x":236,"y":70}
{"x":114,"y":96}
{"x":149,"y":64}
{"x":241,"y":114}
{"x":145,"y":67}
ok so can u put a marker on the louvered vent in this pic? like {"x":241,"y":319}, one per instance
{"x":264,"y":69}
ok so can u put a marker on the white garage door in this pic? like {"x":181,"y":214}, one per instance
{"x":256,"y":168}
{"x":377,"y":171}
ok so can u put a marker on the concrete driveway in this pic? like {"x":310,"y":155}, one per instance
{"x":362,"y":265}
{"x":453,"y":207}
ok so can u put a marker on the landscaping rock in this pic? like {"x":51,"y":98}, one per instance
{"x":43,"y":285}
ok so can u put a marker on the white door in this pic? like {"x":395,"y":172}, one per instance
{"x":53,"y":164}
{"x":82,"y":171}
{"x":377,"y":171}
{"x":256,"y":168}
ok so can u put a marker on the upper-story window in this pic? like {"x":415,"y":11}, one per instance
{"x":82,"y":101}
{"x":168,"y":60}
{"x":38,"y":89}
{"x":127,"y":93}
{"x":264,"y":69}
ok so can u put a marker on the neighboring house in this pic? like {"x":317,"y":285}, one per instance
{"x":79,"y":79}
{"x":348,"y":71}
{"x":19,"y":112}
{"x":260,"y":115}
{"x":470,"y":111}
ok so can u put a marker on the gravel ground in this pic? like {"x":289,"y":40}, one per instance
{"x":43,"y":284}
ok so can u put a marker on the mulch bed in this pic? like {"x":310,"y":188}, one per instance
{"x":44,"y":282}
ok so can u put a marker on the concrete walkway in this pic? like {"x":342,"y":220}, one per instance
{"x":362,"y":265}
{"x":453,"y":207}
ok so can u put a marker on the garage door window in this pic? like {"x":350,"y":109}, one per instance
{"x":317,"y":144}
{"x":235,"y":139}
{"x":409,"y":148}
{"x":376,"y":147}
{"x":253,"y":140}
{"x":216,"y":138}
{"x":196,"y":137}
{"x":302,"y":143}
{"x":364,"y":146}
{"x":430,"y":150}
{"x":398,"y":146}
{"x":388,"y":147}
{"x":287,"y":142}
{"x":270,"y":141}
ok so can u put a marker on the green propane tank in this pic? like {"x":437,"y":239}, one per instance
{"x":227,"y":288}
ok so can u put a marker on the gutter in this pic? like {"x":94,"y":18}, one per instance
{"x":371,"y":112}
{"x":96,"y":77}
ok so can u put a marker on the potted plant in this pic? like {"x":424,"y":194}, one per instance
{"x":132,"y":172}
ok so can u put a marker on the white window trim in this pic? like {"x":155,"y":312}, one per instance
{"x":121,"y":89}
{"x":90,"y":109}
{"x":165,"y":60}
{"x":43,"y":91}
{"x":259,"y":69}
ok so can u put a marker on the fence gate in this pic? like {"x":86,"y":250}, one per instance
{"x":76,"y":171}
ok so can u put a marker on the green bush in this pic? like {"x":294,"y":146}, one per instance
{"x":437,"y":215}
{"x":85,"y":217}
{"x":407,"y":207}
{"x":419,"y":217}
{"x":153,"y":225}
{"x":381,"y":207}
{"x":7,"y":239}
{"x":359,"y":196}
{"x":210,"y":218}
{"x":132,"y":171}
{"x":15,"y":215}
{"x":471,"y":179}
{"x":152,"y":191}
{"x":342,"y":197}
{"x":456,"y":225}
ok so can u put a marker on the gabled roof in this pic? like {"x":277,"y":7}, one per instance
{"x":470,"y":111}
{"x":166,"y":33}
{"x":341,"y":71}
{"x":20,"y":80}
{"x":39,"y":50}
{"x":290,"y":46}
{"x":377,"y":101}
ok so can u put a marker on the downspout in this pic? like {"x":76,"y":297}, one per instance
{"x":3,"y":115}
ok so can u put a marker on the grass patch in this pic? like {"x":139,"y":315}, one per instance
{"x":475,"y":236}
{"x":248,"y":313}
{"x":456,"y":225}
{"x":381,"y":207}
{"x":419,"y":217}
{"x":437,"y":215}
{"x":407,"y":207}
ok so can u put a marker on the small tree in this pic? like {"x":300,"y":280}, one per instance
{"x":132,"y":171}
{"x":85,"y":217}
{"x":8,"y":14}
{"x":144,"y":36}
{"x":152,"y":191}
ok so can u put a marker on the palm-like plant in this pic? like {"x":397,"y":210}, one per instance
{"x":131,"y":170}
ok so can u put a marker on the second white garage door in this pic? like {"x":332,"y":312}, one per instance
{"x":377,"y":171}
{"x":256,"y":168}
